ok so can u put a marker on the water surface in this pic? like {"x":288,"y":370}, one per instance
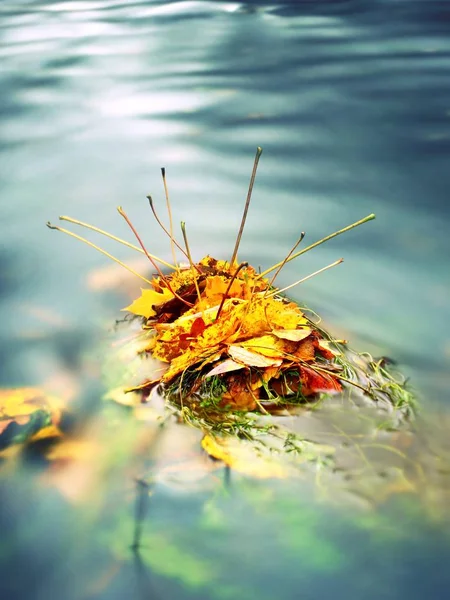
{"x":351,"y":102}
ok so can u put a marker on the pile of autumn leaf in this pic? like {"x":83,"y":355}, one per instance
{"x":220,"y":323}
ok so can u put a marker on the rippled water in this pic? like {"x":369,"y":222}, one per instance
{"x":351,"y":102}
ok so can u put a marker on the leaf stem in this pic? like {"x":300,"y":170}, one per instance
{"x":158,"y":220}
{"x":337,"y":262}
{"x":115,"y":238}
{"x":302,"y":235}
{"x":225,"y":296}
{"x":247,"y":204}
{"x":188,"y":252}
{"x":123,"y":214}
{"x":169,"y":210}
{"x":85,"y":241}
{"x":325,"y":239}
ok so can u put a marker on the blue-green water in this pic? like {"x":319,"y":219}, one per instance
{"x":351,"y":103}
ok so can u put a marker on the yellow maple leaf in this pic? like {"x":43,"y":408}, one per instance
{"x":144,"y":305}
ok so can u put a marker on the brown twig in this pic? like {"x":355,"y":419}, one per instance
{"x":325,"y":239}
{"x":169,"y":210}
{"x":225,"y":296}
{"x":123,"y":214}
{"x":85,"y":241}
{"x":247,"y":204}
{"x":188,"y":252}
{"x":288,"y":287}
{"x":302,"y":235}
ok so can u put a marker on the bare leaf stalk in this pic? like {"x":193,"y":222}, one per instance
{"x":247,"y":204}
{"x":115,"y":238}
{"x":160,"y":273}
{"x":169,"y":210}
{"x":188,"y":252}
{"x":158,"y":220}
{"x":225,"y":296}
{"x":85,"y":241}
{"x":337,"y":262}
{"x":325,"y":239}
{"x":302,"y":235}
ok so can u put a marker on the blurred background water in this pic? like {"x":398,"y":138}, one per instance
{"x":349,"y":99}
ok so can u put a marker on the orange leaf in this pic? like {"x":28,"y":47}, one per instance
{"x":314,"y":382}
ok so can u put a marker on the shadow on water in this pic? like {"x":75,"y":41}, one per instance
{"x":351,"y":102}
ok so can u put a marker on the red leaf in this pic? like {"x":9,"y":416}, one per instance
{"x":314,"y":382}
{"x":198,"y":327}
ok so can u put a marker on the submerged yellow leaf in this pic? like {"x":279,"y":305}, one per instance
{"x":28,"y":414}
{"x":241,"y":456}
{"x":144,"y":306}
{"x":51,"y":431}
{"x":72,"y":449}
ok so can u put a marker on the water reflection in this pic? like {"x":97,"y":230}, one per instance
{"x":351,"y":102}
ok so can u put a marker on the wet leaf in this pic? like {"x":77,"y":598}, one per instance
{"x":267,"y":345}
{"x":27,"y":414}
{"x":144,"y":305}
{"x":252,"y":359}
{"x":225,"y":366}
{"x":120,"y":396}
{"x":293,"y":335}
{"x":198,"y":327}
{"x":329,"y":348}
{"x":314,"y":381}
{"x":240,"y":394}
{"x":240,"y":456}
{"x":71,"y":449}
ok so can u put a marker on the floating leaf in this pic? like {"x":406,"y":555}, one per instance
{"x":120,"y":396}
{"x":27,"y":414}
{"x":144,"y":305}
{"x":241,"y":456}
